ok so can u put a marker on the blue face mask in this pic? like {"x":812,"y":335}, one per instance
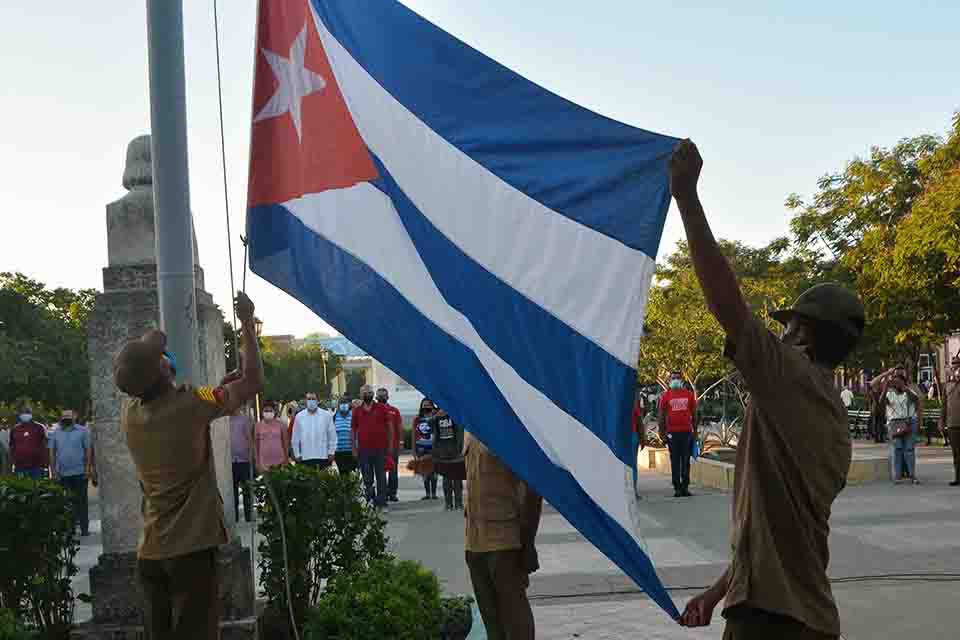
{"x":26,"y":417}
{"x":676,"y":384}
{"x":312,"y":405}
{"x":344,"y":408}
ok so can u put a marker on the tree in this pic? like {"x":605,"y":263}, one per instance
{"x":292,"y":374}
{"x":892,"y":225}
{"x":681,"y":333}
{"x":43,"y":344}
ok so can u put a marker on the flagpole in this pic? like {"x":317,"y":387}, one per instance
{"x":171,"y":188}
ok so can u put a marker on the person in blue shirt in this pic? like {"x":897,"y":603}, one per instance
{"x":71,"y":464}
{"x":346,"y":463}
{"x":423,"y":444}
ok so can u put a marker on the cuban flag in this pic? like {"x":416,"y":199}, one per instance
{"x":487,"y":240}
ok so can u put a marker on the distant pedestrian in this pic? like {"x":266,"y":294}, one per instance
{"x":71,"y":464}
{"x":342,"y":419}
{"x":28,"y":446}
{"x":678,"y":428}
{"x":448,"y":455}
{"x":951,"y":416}
{"x":638,"y":435}
{"x":241,"y":450}
{"x":393,"y":476}
{"x":314,"y":435}
{"x":423,"y":445}
{"x":372,"y":427}
{"x":271,"y":440}
{"x":901,"y":405}
{"x":502,"y":518}
{"x":846,"y":397}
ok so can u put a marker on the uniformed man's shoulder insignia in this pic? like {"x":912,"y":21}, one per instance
{"x":214,"y":395}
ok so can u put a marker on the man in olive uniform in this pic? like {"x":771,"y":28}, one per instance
{"x":502,"y":517}
{"x":951,"y":416}
{"x":794,"y":452}
{"x":168,"y":433}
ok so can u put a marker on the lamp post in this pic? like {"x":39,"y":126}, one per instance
{"x":258,"y":325}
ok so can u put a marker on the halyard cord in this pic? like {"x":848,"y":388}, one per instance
{"x":236,"y":346}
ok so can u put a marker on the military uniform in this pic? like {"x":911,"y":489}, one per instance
{"x":953,"y":424}
{"x":792,"y":460}
{"x":497,"y":551}
{"x":169,"y":440}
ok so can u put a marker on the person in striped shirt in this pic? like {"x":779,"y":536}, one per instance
{"x":346,"y":463}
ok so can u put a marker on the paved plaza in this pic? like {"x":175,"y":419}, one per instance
{"x":877,"y":530}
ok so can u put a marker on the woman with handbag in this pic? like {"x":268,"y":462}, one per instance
{"x":423,"y":448}
{"x":901,"y":406}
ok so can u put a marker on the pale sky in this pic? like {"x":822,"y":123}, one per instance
{"x":775,"y":94}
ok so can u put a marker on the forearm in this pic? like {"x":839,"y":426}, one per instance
{"x":531,"y":510}
{"x":719,"y":283}
{"x":252,"y":363}
{"x":719,"y":589}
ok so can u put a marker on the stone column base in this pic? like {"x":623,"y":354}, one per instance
{"x":245,"y":629}
{"x":118,"y":601}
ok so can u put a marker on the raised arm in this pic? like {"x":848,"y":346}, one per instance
{"x":720,"y":286}
{"x":244,"y":388}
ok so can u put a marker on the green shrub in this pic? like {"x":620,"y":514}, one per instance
{"x":37,"y":550}
{"x":330,"y":531}
{"x":13,"y":629}
{"x":457,"y":617}
{"x":389,"y":599}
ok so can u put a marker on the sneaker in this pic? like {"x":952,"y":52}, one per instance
{"x":425,"y":498}
{"x":393,"y":499}
{"x":915,"y":480}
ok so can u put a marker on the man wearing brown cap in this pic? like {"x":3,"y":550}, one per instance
{"x":168,"y":433}
{"x":794,"y":452}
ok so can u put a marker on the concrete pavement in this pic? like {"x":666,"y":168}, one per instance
{"x":878,"y":529}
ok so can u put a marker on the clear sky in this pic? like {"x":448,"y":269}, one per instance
{"x":775,"y":94}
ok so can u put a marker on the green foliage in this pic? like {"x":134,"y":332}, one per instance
{"x":388,"y":599}
{"x":292,"y":373}
{"x":37,"y":550}
{"x":330,"y":532}
{"x":891,"y":224}
{"x":43,"y":343}
{"x":13,"y":629}
{"x":682,"y":334}
{"x":457,"y":615}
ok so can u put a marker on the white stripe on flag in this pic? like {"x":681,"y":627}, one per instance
{"x":593,"y":283}
{"x":363,"y":222}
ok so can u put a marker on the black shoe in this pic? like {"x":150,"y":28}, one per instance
{"x":393,"y":499}
{"x":955,"y":483}
{"x":686,"y":494}
{"x":677,"y":493}
{"x":426,"y":497}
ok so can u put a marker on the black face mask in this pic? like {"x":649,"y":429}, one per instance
{"x":368,"y":397}
{"x":381,"y":399}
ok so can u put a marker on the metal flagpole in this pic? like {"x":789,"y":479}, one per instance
{"x":171,"y":188}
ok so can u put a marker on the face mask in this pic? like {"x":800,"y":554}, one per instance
{"x":268,"y":415}
{"x":26,"y":417}
{"x":368,"y":397}
{"x":344,"y":408}
{"x":67,"y":422}
{"x":312,"y":405}
{"x":676,"y":384}
{"x":381,"y":399}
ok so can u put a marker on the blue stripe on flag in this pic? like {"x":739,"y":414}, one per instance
{"x":546,"y":352}
{"x":357,"y":301}
{"x":602,"y":173}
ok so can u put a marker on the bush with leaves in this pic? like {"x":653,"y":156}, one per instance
{"x":38,"y":545}
{"x":330,"y":531}
{"x":388,"y":599}
{"x":457,"y":617}
{"x":13,"y":629}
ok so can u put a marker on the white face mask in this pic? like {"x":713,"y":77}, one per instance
{"x":344,"y":408}
{"x":268,"y":415}
{"x":26,"y":417}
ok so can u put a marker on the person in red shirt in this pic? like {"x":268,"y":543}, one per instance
{"x":372,"y":428}
{"x":678,"y":410}
{"x":396,"y":421}
{"x":28,"y":447}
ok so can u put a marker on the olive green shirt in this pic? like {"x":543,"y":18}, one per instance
{"x":792,"y":460}
{"x":495,"y":497}
{"x":169,"y":440}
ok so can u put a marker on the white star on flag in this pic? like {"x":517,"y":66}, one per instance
{"x":296,"y":82}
